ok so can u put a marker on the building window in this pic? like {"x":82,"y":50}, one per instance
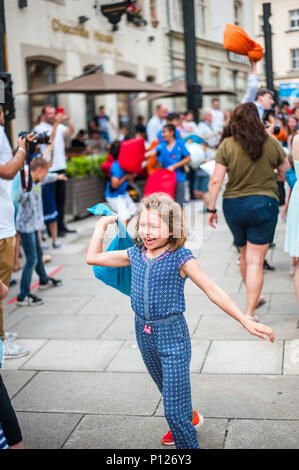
{"x":295,"y":59}
{"x":154,"y":13}
{"x":238,"y":12}
{"x":261,"y":24}
{"x":178,"y":18}
{"x":214,"y":76}
{"x":202,"y":17}
{"x":40,"y":74}
{"x":294,"y":19}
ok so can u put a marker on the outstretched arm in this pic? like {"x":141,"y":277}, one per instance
{"x":192,"y":269}
{"x":95,"y":255}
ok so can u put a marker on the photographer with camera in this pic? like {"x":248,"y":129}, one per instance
{"x":9,"y":166}
{"x":51,"y":122}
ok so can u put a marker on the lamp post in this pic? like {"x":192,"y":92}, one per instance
{"x":268,"y":47}
{"x":194,"y":91}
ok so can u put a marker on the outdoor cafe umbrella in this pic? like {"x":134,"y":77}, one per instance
{"x":99,"y":83}
{"x":179,"y":88}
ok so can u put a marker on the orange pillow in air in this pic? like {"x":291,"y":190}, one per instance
{"x":237,"y":40}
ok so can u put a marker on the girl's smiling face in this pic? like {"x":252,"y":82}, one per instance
{"x":153,"y":230}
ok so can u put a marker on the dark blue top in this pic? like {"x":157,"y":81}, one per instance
{"x":175,"y":155}
{"x":116,"y":172}
{"x":157,"y":288}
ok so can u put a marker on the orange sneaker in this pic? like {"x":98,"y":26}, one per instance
{"x":197,"y":421}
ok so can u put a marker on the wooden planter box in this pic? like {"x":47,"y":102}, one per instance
{"x":83,"y":193}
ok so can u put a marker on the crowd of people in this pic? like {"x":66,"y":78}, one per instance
{"x":256,"y":145}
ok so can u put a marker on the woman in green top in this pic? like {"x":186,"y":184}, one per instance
{"x":250,"y":201}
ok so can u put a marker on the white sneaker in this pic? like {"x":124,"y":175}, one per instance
{"x":11,"y":336}
{"x":12,"y":350}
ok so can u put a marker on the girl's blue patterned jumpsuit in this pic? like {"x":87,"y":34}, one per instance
{"x":157,"y":298}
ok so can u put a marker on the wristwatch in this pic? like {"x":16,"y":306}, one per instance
{"x":22,"y":150}
{"x":212,"y":211}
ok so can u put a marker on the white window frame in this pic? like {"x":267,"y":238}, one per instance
{"x":261,"y":24}
{"x":294,"y":17}
{"x":238,"y":12}
{"x":202,"y":17}
{"x":177,"y":15}
{"x":295,"y":59}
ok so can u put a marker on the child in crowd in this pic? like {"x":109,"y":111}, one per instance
{"x":173,"y":155}
{"x":29,"y":222}
{"x":116,"y":193}
{"x":160,"y":265}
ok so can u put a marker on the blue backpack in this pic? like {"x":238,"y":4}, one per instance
{"x":119,"y":278}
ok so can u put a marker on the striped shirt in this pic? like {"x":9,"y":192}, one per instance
{"x":3,"y":442}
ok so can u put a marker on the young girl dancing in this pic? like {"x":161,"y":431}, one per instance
{"x":160,"y":265}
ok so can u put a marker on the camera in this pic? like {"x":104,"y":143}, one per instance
{"x":276,"y":129}
{"x":40,"y":138}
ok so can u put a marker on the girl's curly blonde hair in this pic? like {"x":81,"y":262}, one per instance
{"x":170,"y":212}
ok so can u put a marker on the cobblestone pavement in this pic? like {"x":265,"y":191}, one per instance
{"x":84,"y":384}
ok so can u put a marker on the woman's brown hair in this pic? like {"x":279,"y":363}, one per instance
{"x":247,"y":129}
{"x":170,"y":212}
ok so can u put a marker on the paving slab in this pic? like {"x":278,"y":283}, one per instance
{"x":13,"y":318}
{"x":108,"y":303}
{"x":221,"y":327}
{"x":283,"y":304}
{"x":34,"y":345}
{"x":46,"y":430}
{"x":245,"y":396}
{"x":122,"y":328}
{"x":275,"y":282}
{"x":262,"y":434}
{"x":113,"y":432}
{"x":63,"y":326}
{"x":92,"y":393}
{"x":231,"y":285}
{"x":291,"y":357}
{"x":244,"y":357}
{"x":128,"y":359}
{"x":74,"y":355}
{"x":15,"y":380}
{"x":56,"y":305}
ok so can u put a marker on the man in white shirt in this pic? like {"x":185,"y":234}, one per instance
{"x":51,"y":123}
{"x":217,"y":115}
{"x":156,"y":123}
{"x":207,"y":132}
{"x":9,"y":167}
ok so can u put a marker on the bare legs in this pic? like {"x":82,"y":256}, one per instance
{"x":53,"y":229}
{"x":296,"y":284}
{"x":251,"y":268}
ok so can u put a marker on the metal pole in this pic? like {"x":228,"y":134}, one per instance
{"x":193,"y":89}
{"x":268,"y":45}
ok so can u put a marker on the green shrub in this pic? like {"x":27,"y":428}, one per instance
{"x":79,"y":167}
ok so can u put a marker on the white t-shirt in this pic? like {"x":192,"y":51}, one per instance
{"x":218,"y":119}
{"x":7,"y":210}
{"x":59,"y":160}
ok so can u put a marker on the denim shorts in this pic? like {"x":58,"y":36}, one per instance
{"x":251,"y":218}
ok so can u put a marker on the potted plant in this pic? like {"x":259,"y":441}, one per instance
{"x":86,"y":184}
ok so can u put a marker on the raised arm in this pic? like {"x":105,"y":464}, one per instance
{"x":192,"y":269}
{"x":95,"y":255}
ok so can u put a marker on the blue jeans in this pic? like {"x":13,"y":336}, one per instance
{"x":34,"y":260}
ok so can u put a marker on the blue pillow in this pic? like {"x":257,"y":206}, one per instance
{"x":119,"y":278}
